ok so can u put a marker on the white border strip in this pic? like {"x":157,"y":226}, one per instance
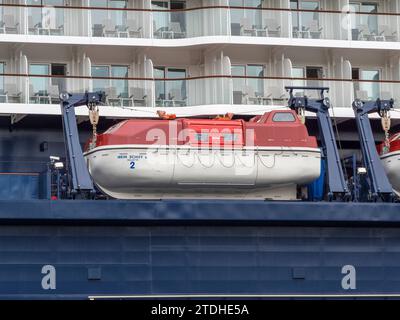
{"x":237,"y":296}
{"x":150,"y":147}
{"x":149,"y":112}
{"x":198,"y":41}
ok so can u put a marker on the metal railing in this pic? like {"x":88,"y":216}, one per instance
{"x":199,"y":21}
{"x":128,"y":92}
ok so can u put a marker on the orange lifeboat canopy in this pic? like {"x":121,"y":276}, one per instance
{"x":275,"y":128}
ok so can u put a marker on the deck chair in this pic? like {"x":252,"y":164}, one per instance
{"x":98,"y":30}
{"x":362,"y":95}
{"x":32,"y":28}
{"x":237,"y":97}
{"x":9,"y":24}
{"x":112,"y":97}
{"x":386,"y":95}
{"x":176,"y":98}
{"x":12,"y":93}
{"x":157,"y":33}
{"x":58,"y":31}
{"x":109,"y":28}
{"x":246,"y":28}
{"x":314,"y":31}
{"x":272,"y":27}
{"x":133,"y":30}
{"x":137,"y":97}
{"x":176,"y":30}
{"x":275,"y":94}
{"x":385,"y":34}
{"x":253,"y":97}
{"x":40,"y":96}
{"x":54,"y":95}
{"x":3,"y":96}
{"x":365,"y":33}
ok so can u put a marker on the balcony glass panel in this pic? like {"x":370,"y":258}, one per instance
{"x":173,"y":19}
{"x":112,"y":23}
{"x":169,"y":24}
{"x":45,"y":20}
{"x":246,"y":86}
{"x":103,"y":72}
{"x":115,"y":83}
{"x":2,"y":89}
{"x":364,"y":26}
{"x":170,"y":92}
{"x":175,"y":92}
{"x":10,"y":88}
{"x":367,"y":90}
{"x":306,"y":24}
{"x":120,"y":85}
{"x":9,"y":20}
{"x":259,"y":23}
{"x":39,"y":86}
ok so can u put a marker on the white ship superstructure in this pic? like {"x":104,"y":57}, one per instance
{"x":196,"y":57}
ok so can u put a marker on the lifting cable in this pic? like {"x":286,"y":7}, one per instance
{"x":386,"y":124}
{"x":339,"y":142}
{"x":94,"y":116}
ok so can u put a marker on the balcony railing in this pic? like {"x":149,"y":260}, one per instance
{"x":197,"y":22}
{"x":187,"y":92}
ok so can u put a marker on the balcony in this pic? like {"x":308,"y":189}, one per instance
{"x":348,"y":23}
{"x":244,"y":95}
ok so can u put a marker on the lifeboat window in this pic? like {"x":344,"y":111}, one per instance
{"x":231,"y":137}
{"x":204,"y":137}
{"x":283,"y":117}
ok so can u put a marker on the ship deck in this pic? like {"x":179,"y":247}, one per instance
{"x":195,"y":212}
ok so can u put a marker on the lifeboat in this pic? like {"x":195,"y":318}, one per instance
{"x":264,"y":158}
{"x":391,"y":161}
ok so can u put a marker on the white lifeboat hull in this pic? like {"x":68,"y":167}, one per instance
{"x":160,"y":172}
{"x":391,"y":163}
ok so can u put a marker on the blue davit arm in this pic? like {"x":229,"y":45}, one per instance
{"x":379,"y":183}
{"x":337,"y":184}
{"x":79,"y":178}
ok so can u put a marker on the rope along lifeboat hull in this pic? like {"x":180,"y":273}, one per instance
{"x":391,"y":162}
{"x":191,"y":158}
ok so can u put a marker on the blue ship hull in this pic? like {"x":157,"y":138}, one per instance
{"x":138,"y":249}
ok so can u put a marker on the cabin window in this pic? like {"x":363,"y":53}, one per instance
{"x":203,"y":137}
{"x":366,"y":90}
{"x":170,"y":93}
{"x":283,"y":117}
{"x":310,"y":73}
{"x":57,"y":69}
{"x":230,"y":137}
